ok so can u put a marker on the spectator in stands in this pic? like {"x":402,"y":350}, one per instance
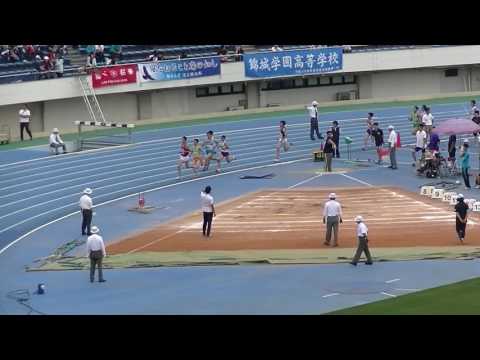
{"x":99,"y":53}
{"x":59,"y":66}
{"x":154,"y":56}
{"x":29,"y":52}
{"x":24,"y":115}
{"x":57,"y":142}
{"x":91,"y":61}
{"x":276,"y":48}
{"x":222,"y":52}
{"x":239,"y":53}
{"x":183,"y":55}
{"x":347,"y":49}
{"x":115,"y":53}
{"x":46,"y":67}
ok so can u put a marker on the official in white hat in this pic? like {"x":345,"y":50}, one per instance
{"x":392,"y":142}
{"x":86,"y":206}
{"x":362,"y":235}
{"x":313,"y":113}
{"x":96,"y":252}
{"x":332,"y":215}
{"x":56,"y":141}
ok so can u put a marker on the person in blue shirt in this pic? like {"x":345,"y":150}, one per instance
{"x":465,"y":158}
{"x":434,"y":143}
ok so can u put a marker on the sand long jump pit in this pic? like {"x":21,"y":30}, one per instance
{"x":285,"y":226}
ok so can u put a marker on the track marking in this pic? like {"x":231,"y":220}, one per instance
{"x":357,"y":180}
{"x":408,"y":289}
{"x":330,"y":295}
{"x":304,"y":181}
{"x":392,"y":281}
{"x":384,"y":293}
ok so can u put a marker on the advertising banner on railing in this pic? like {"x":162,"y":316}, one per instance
{"x":114,"y":75}
{"x":179,"y":69}
{"x":293,"y":62}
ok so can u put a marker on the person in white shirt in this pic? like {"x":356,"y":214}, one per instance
{"x":473,"y":105}
{"x":362,"y":234}
{"x":276,"y":48}
{"x":208,"y":210}
{"x":392,"y":141}
{"x":24,"y":115}
{"x":332,"y":215}
{"x":313,"y":114}
{"x":86,"y":206}
{"x":427,"y":120}
{"x":96,"y":252}
{"x":420,"y":144}
{"x":56,"y":141}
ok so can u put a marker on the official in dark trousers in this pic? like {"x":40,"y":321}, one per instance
{"x":336,"y":138}
{"x":362,"y":234}
{"x":96,"y":252}
{"x":332,"y":215}
{"x":313,"y":113}
{"x":86,"y":206}
{"x":329,"y":151}
{"x":208,"y":210}
{"x":461,"y":210}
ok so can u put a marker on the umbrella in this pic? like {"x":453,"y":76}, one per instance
{"x":457,"y":127}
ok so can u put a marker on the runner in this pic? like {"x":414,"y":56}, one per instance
{"x":377,"y":134}
{"x":368,"y":135}
{"x":197,"y":155}
{"x":282,"y":140}
{"x":211,"y":151}
{"x":225,"y":150}
{"x":184,"y":156}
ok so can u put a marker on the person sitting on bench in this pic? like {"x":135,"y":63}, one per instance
{"x":56,"y":141}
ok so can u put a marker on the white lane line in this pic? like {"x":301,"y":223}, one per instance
{"x":392,"y":281}
{"x":391,"y":295}
{"x":357,"y":180}
{"x":330,"y":295}
{"x":408,"y":289}
{"x":304,"y":181}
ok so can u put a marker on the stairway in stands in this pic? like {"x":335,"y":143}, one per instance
{"x":77,"y":59}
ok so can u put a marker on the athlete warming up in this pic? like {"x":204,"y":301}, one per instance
{"x":184,"y":156}
{"x":282,"y":140}
{"x":368,"y":133}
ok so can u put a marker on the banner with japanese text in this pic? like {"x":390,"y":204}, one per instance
{"x":293,"y":62}
{"x":179,"y":69}
{"x":114,"y":75}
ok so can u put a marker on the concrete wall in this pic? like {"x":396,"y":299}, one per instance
{"x":304,"y":95}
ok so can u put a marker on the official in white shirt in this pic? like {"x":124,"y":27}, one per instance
{"x":208,"y":210}
{"x":56,"y":141}
{"x":421,"y":143}
{"x":24,"y":116}
{"x":362,"y":234}
{"x":313,"y":113}
{"x":392,"y":141}
{"x":427,"y":120}
{"x":332,"y":215}
{"x":86,"y":206}
{"x":96,"y":252}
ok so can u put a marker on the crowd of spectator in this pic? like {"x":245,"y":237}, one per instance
{"x":30,"y":53}
{"x":100,"y":55}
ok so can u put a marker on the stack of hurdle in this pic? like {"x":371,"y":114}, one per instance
{"x":449,"y":197}
{"x":107,"y":140}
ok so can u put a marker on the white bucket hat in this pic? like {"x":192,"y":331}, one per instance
{"x":332,"y":196}
{"x":391,"y":127}
{"x":314,"y":103}
{"x":55,"y":130}
{"x":87,"y":191}
{"x":358,"y":219}
{"x":94,"y":230}
{"x":459,"y":196}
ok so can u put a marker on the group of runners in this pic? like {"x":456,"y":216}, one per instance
{"x":199,"y":155}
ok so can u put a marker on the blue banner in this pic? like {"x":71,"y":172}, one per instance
{"x":293,"y":62}
{"x":179,"y":69}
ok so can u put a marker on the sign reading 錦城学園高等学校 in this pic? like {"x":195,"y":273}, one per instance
{"x":293,"y":62}
{"x":179,"y":69}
